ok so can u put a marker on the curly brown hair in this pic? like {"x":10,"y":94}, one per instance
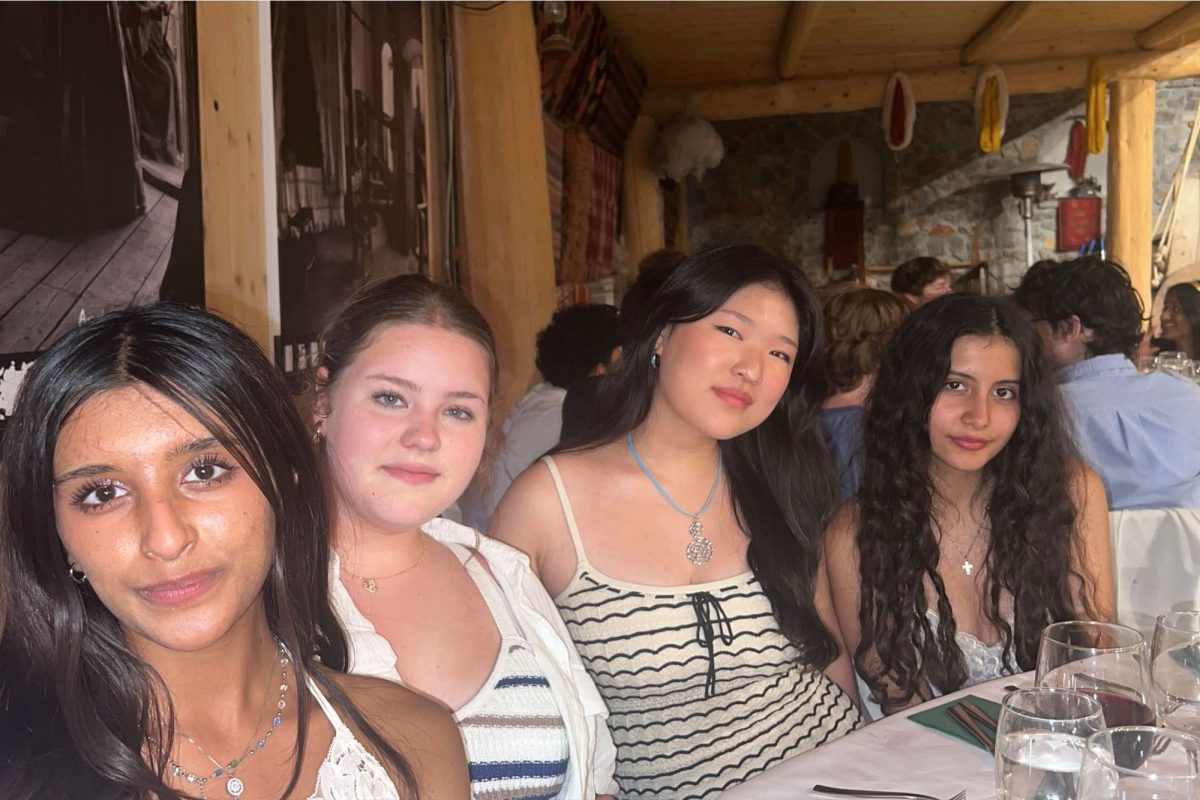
{"x":858,"y":325}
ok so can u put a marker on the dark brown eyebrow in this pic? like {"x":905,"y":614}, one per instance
{"x":405,"y":383}
{"x":747,"y":320}
{"x":91,"y":470}
{"x":961,"y":374}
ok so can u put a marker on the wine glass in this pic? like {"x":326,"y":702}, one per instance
{"x":1105,"y":660}
{"x":1175,"y":670}
{"x":1040,"y":737}
{"x":1140,"y":763}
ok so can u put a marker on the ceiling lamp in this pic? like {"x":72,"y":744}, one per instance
{"x":555,"y":13}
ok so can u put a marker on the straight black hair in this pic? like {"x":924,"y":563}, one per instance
{"x":77,"y":705}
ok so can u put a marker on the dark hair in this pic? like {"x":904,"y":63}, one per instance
{"x":1097,"y":291}
{"x":577,"y":340}
{"x":781,"y":478}
{"x":400,"y":300}
{"x":858,"y":325}
{"x":652,"y":272}
{"x":80,"y":699}
{"x":1031,"y":513}
{"x":915,"y":274}
{"x":1188,"y":297}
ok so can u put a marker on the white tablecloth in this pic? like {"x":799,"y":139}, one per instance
{"x":893,"y":754}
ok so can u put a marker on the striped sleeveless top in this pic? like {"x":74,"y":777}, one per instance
{"x":703,"y":689}
{"x":512,"y":730}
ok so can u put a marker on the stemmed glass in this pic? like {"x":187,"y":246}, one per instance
{"x":1175,"y":669}
{"x":1104,"y":660}
{"x":1040,"y":738}
{"x":1140,"y":763}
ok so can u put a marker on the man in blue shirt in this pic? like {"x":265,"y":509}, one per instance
{"x":1141,"y":432}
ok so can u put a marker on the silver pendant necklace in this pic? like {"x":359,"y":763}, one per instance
{"x":967,"y":566}
{"x":699,"y":547}
{"x":234,"y":785}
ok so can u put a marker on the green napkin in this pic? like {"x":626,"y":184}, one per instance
{"x":939,"y":717}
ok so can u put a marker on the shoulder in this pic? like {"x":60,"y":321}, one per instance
{"x":423,"y":731}
{"x":1084,"y":485}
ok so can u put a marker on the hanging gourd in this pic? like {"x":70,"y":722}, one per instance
{"x":991,"y":107}
{"x":1096,"y":113}
{"x":899,"y":111}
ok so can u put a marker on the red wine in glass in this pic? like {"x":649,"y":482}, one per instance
{"x":1121,"y":709}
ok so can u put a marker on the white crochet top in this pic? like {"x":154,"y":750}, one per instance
{"x":349,"y":771}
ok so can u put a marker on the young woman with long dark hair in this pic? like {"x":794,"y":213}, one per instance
{"x":975,"y":523}
{"x":1181,"y":318}
{"x":404,"y":393}
{"x":685,"y":555}
{"x":163,"y":557}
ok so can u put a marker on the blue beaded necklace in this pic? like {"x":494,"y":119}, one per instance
{"x":699,"y":547}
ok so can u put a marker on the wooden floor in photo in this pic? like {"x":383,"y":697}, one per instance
{"x":45,"y":282}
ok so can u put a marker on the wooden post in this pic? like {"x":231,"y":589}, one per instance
{"x":237,"y":166}
{"x":509,"y":271}
{"x":641,"y":197}
{"x":1130,"y":178}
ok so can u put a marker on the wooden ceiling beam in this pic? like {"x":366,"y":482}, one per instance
{"x":857,"y":92}
{"x":797,"y":30}
{"x":987,"y":39}
{"x":1175,"y":30}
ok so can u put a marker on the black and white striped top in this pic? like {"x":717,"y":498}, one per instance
{"x":703,"y":689}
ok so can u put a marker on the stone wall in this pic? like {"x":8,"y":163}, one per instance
{"x":938,"y":197}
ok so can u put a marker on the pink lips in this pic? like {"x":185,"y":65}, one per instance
{"x":415,"y":474}
{"x":968,"y":443}
{"x":733,"y":397}
{"x":180,"y":591}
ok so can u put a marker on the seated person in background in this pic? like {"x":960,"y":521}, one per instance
{"x":975,"y":525}
{"x":581,"y":395}
{"x":681,"y":539}
{"x":165,"y":570}
{"x":858,"y":325}
{"x":1139,"y":431}
{"x":921,"y":279}
{"x":408,"y":371}
{"x":1181,"y":319}
{"x":578,"y":342}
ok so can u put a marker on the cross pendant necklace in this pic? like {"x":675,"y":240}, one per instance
{"x":967,"y":566}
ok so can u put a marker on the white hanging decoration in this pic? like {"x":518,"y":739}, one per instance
{"x":687,"y":145}
{"x":899,"y":112}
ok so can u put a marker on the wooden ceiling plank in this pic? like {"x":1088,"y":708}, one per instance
{"x":1174,"y":30}
{"x":983,"y":44}
{"x":797,"y":30}
{"x":854,"y":93}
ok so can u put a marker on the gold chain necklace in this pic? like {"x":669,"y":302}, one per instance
{"x":372,"y":584}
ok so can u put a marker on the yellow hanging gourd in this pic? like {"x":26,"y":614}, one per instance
{"x":991,"y":108}
{"x":1096,"y":113}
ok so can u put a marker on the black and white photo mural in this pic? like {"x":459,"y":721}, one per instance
{"x":99,"y":153}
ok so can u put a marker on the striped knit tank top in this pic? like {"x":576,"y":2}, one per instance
{"x":513,"y":733}
{"x":703,"y":689}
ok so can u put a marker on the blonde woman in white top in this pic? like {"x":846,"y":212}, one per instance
{"x":403,"y":399}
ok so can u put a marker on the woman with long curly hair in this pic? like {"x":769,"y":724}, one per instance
{"x":680,"y":535}
{"x":975,"y":524}
{"x":1181,"y":318}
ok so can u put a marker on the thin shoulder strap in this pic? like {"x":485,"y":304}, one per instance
{"x":565,"y":502}
{"x":326,"y":706}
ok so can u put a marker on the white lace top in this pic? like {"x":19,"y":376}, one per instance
{"x":349,"y":771}
{"x":984,"y":662}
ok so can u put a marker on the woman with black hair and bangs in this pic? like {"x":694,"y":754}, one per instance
{"x":685,"y":554}
{"x":975,"y":524}
{"x":166,"y":629}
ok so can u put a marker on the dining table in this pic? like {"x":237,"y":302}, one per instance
{"x":890,"y":754}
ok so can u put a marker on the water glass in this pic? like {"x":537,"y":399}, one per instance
{"x":1140,"y":763}
{"x":1102,"y":659}
{"x":1175,"y":670}
{"x":1040,"y":738}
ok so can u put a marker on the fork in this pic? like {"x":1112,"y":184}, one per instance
{"x":880,"y":794}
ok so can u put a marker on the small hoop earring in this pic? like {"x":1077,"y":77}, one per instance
{"x":77,"y":575}
{"x":654,"y":360}
{"x":318,"y":435}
